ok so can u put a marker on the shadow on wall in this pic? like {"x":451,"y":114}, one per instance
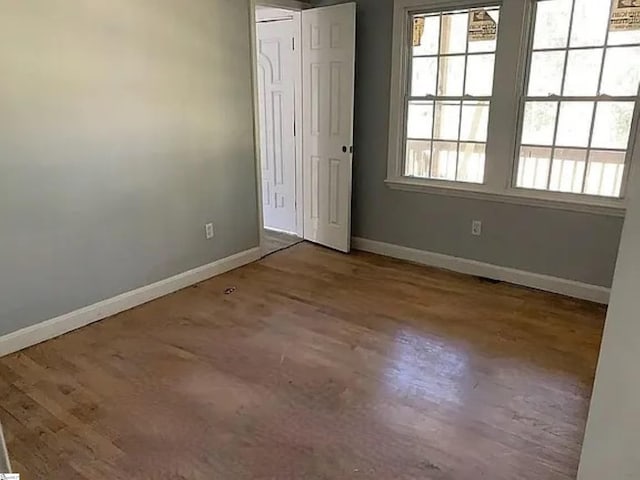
{"x":126,"y":126}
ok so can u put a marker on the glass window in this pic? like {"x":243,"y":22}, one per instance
{"x":580,"y":100}
{"x":451,"y":84}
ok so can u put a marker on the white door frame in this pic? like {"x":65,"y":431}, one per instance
{"x":296,"y":7}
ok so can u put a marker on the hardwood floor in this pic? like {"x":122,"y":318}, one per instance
{"x":276,"y":241}
{"x":319,"y":366}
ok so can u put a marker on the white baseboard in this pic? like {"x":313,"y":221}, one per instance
{"x":279,"y":230}
{"x":54,"y":327}
{"x":547,"y":283}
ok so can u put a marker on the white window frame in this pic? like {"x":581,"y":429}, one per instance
{"x":515,"y":33}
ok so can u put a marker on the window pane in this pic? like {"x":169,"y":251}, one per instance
{"x":621,"y":71}
{"x":447,"y":118}
{"x":605,"y":173}
{"x":420,"y":120}
{"x":577,"y":143}
{"x":583,"y":72}
{"x":488,"y":45}
{"x":471,"y":160}
{"x":441,"y":67}
{"x":475,"y":118}
{"x":539,"y":123}
{"x":480,"y":75}
{"x":429,"y":40}
{"x":454,"y":33}
{"x":552,"y":24}
{"x":590,"y":22}
{"x":445,"y":155}
{"x":533,"y":168}
{"x":545,"y":77}
{"x":626,"y":37}
{"x":574,"y":124}
{"x":424,"y":73}
{"x":613,"y":123}
{"x":567,"y":170}
{"x":418,"y":159}
{"x":451,"y":76}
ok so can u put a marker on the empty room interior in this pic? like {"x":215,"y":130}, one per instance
{"x":282,"y":239}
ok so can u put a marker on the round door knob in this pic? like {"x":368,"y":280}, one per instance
{"x":344,"y":148}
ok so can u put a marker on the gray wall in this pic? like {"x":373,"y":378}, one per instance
{"x":564,"y":244}
{"x":125,"y":126}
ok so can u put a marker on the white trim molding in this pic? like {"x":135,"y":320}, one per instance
{"x":570,"y":288}
{"x":518,"y":196}
{"x":57,"y":326}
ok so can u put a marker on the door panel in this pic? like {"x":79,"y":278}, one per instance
{"x":328,"y":42}
{"x":276,"y":81}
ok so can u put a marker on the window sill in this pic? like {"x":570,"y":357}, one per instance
{"x":559,"y":201}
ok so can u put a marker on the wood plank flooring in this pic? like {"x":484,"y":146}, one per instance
{"x":275,"y":241}
{"x":319,"y":366}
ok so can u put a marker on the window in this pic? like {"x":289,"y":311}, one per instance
{"x":450,"y":90}
{"x":580,"y":100}
{"x":526,"y":101}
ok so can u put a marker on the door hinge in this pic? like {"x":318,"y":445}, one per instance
{"x":294,"y":128}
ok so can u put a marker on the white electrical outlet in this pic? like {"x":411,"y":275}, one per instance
{"x":208,"y":228}
{"x":476,"y":228}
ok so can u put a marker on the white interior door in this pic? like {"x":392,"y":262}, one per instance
{"x":276,"y":81}
{"x":328,"y":54}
